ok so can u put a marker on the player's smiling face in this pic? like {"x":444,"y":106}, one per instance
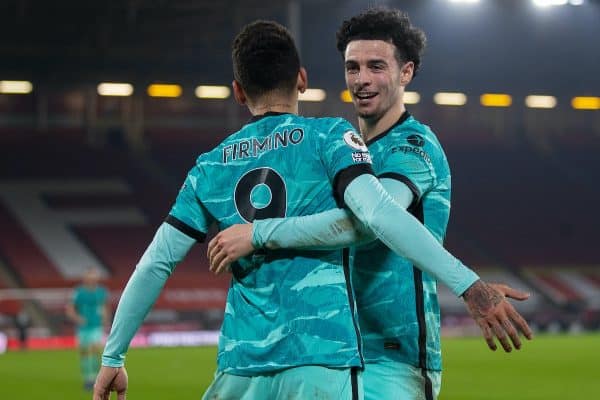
{"x":373,"y":77}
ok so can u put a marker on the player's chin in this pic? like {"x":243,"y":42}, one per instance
{"x":366,"y":109}
{"x":365,"y":113}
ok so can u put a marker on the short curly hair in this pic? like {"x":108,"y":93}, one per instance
{"x":392,"y":26}
{"x":265,"y":58}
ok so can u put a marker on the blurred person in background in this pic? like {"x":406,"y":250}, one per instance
{"x":88,"y":310}
{"x":22,"y":323}
{"x":397,"y":303}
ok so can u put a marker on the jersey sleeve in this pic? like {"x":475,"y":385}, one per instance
{"x":331,"y":229}
{"x":405,"y":235}
{"x":188,"y":215}
{"x":327,"y":230}
{"x":167,"y":249}
{"x":409,"y":160}
{"x":345,"y":156}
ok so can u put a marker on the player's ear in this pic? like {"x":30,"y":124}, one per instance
{"x":406,"y":72}
{"x":238,"y":93}
{"x":302,"y":80}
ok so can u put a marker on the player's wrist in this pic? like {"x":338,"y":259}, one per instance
{"x":466,"y":279}
{"x":474,"y":287}
{"x":111,"y":362}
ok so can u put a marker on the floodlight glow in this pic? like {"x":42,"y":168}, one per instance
{"x":547,"y":3}
{"x":576,"y":2}
{"x":164,"y":90}
{"x":213,"y":92}
{"x":536,"y":101}
{"x":411,"y":97}
{"x":495,"y":100}
{"x":464,"y":1}
{"x":115,"y":89}
{"x":450,"y":99}
{"x":312,"y":95}
{"x":345,"y":96}
{"x":585,"y":103}
{"x":15,"y":87}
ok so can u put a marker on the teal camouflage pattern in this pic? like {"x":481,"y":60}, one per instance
{"x":284,"y":308}
{"x":384,"y":283}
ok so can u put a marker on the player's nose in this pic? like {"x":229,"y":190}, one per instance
{"x":364,"y":78}
{"x":361,"y":80}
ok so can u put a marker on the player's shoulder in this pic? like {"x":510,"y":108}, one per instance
{"x":327,"y":124}
{"x":414,"y":133}
{"x":411,"y":137}
{"x":212,"y":158}
{"x":412,"y":126}
{"x":329,"y":131}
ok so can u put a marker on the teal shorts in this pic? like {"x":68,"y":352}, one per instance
{"x":89,"y":336}
{"x":299,"y":383}
{"x":399,"y":381}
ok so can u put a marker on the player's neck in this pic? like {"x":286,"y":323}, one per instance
{"x":370,"y":128}
{"x":280,"y":104}
{"x":279,"y":107}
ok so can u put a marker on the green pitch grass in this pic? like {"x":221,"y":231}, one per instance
{"x":549,"y":368}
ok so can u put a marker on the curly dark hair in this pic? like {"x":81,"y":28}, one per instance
{"x":265,"y":58}
{"x":392,"y":26}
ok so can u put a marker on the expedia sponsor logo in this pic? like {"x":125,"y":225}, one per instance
{"x":354,"y":140}
{"x":410,"y":149}
{"x":416,"y":140}
{"x":361,"y":157}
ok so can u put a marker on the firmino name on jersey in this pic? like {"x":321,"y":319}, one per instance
{"x":253,"y":147}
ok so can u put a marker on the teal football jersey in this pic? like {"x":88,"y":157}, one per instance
{"x":397,"y":303}
{"x":89,"y":303}
{"x":284,"y":308}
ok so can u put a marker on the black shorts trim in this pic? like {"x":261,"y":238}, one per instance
{"x":428,"y":385}
{"x":186,"y":229}
{"x":402,"y":178}
{"x":354,"y":383}
{"x":344,"y":177}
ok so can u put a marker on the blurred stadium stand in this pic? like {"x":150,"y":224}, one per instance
{"x":86,"y":179}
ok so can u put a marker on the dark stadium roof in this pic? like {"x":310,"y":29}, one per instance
{"x":504,"y":45}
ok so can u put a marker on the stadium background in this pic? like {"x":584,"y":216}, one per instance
{"x":88,"y":170}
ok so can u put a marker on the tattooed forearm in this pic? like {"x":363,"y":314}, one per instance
{"x":481,"y":298}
